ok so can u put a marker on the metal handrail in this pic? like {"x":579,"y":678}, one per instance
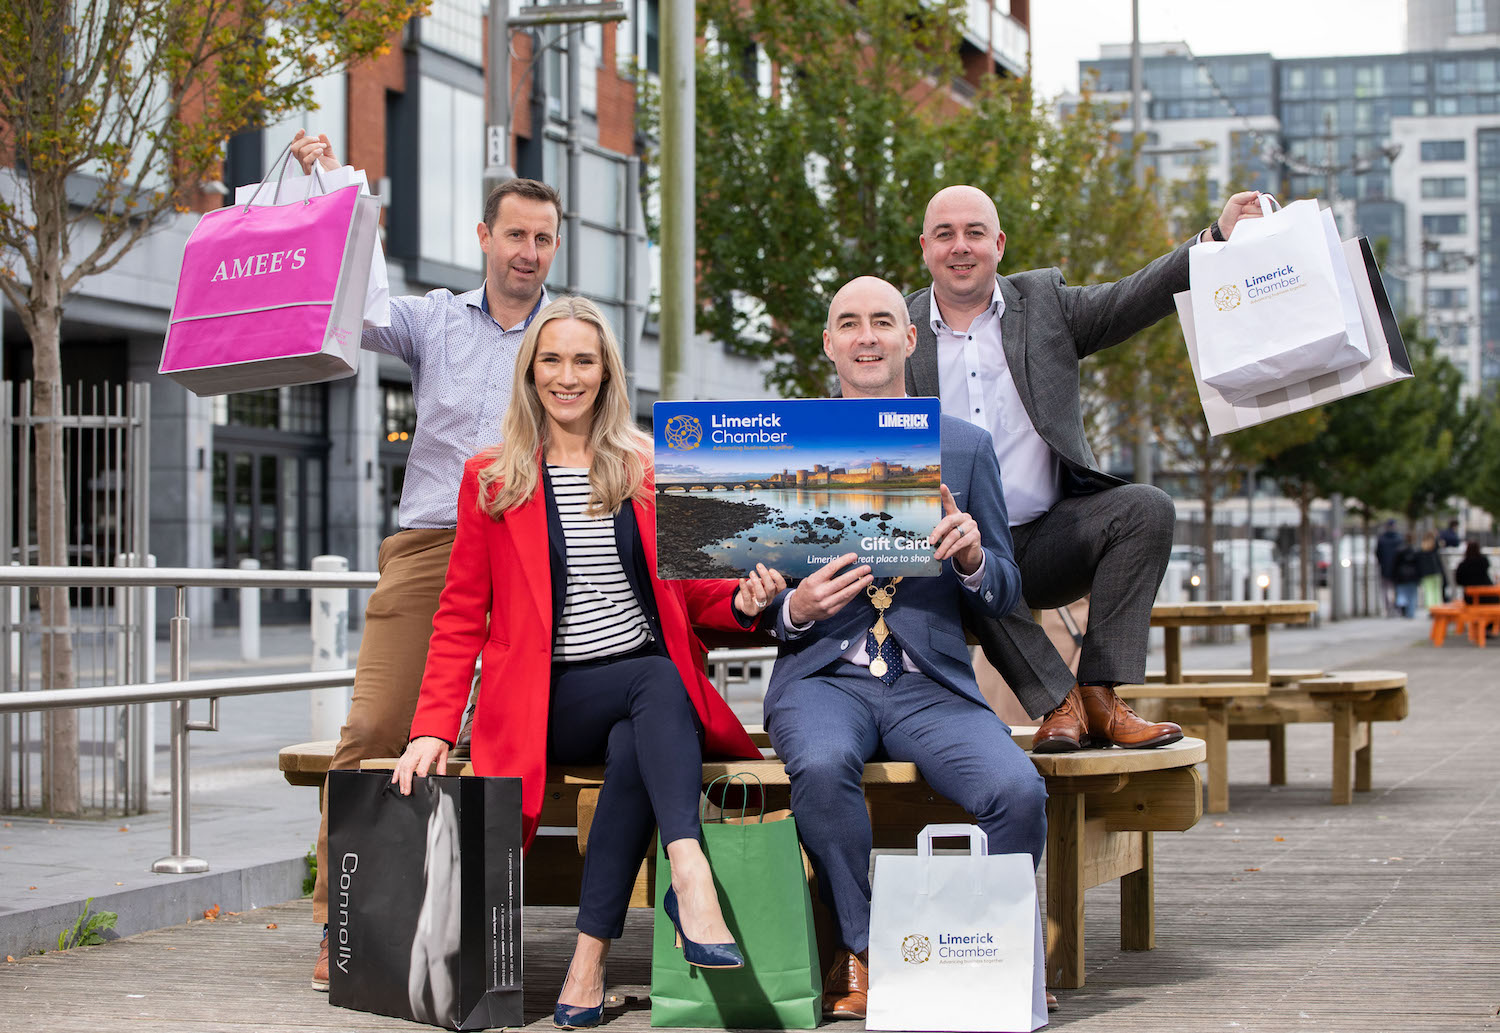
{"x":181,"y":577}
{"x":171,"y":691}
{"x":178,"y":690}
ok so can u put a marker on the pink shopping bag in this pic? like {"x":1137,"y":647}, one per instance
{"x":272,"y":296}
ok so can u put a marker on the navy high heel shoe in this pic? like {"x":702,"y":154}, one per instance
{"x":703,"y":955}
{"x":573,"y":1016}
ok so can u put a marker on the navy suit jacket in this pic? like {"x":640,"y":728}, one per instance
{"x":926,"y":616}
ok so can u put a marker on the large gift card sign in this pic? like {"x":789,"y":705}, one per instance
{"x":794,"y":484}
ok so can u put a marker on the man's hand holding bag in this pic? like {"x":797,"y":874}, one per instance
{"x":1274,"y":304}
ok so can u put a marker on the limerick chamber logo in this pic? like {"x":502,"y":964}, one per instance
{"x":1227,"y":297}
{"x":916,"y":949}
{"x":683,"y":433}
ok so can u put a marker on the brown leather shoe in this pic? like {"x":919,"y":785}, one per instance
{"x":847,"y":988}
{"x":1112,"y":722}
{"x":1063,"y":730}
{"x":320,"y":970}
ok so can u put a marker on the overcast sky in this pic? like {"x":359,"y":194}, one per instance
{"x":1063,"y":32}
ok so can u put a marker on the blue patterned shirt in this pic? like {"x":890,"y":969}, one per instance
{"x":462,"y":363}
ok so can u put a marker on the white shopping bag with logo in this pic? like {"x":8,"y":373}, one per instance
{"x":1388,"y":362}
{"x":956,"y":941}
{"x":1274,"y":304}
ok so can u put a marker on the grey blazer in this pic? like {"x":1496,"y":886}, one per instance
{"x":1047,"y":328}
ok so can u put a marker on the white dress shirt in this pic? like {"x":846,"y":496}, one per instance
{"x":976,"y":385}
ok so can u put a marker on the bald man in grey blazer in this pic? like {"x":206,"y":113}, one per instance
{"x":1002,"y":352}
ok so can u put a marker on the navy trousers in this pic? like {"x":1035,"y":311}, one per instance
{"x":634,"y":714}
{"x":827,"y":726}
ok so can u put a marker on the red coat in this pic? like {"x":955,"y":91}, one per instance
{"x":498,"y":599}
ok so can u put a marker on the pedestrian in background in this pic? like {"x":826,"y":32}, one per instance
{"x":1434,"y":582}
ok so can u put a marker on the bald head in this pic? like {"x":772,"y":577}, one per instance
{"x":863,"y":292}
{"x":971,"y":201}
{"x":868,"y":337}
{"x":962,"y":245}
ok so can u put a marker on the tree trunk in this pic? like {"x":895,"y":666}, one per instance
{"x":60,"y":781}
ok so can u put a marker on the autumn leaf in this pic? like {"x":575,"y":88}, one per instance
{"x":1252,"y":869}
{"x":271,"y":926}
{"x":211,"y":914}
{"x":1280,"y":839}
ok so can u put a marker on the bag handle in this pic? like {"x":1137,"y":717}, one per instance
{"x":282,"y":160}
{"x":1266,"y":203}
{"x":742,"y":777}
{"x":979,"y":842}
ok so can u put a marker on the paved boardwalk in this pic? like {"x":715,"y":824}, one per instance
{"x":1286,"y":914}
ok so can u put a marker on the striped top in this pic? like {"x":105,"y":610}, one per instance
{"x":601,"y":616}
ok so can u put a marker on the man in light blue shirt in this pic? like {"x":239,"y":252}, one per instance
{"x":462,"y":350}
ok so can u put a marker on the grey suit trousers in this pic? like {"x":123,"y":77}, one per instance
{"x":1112,"y":546}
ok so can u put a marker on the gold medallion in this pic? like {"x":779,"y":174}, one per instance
{"x":877,"y":667}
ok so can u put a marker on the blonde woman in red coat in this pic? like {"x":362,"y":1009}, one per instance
{"x":587,"y":656}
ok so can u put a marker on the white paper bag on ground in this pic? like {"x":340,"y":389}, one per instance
{"x":1388,"y":362}
{"x":1272,"y":306}
{"x":290,"y":185}
{"x":955,"y":941}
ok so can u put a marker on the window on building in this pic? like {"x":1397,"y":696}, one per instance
{"x":1442,"y":150}
{"x":1448,"y":297}
{"x":455,"y":27}
{"x":1295,"y":80}
{"x":1436,"y":260}
{"x":1418,"y":73}
{"x":299,"y":410}
{"x":1468,"y":17}
{"x":1444,"y":225}
{"x":400,"y":412}
{"x":648,"y":34}
{"x":451,"y":157}
{"x":1443,"y":186}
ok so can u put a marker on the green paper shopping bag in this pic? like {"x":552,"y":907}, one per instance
{"x":762,"y":884}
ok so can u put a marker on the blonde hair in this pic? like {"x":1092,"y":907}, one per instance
{"x":617,"y":472}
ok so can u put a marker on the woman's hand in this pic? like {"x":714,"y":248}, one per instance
{"x":421,"y":754}
{"x":758,"y":590}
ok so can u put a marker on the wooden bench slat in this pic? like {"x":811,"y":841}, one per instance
{"x":1279,"y":675}
{"x":1193,"y":690}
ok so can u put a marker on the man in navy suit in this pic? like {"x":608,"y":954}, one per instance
{"x":838,"y":698}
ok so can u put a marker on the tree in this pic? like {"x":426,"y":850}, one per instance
{"x":822,"y":173}
{"x":1391,"y":450}
{"x":112,"y":114}
{"x":1481,"y":469}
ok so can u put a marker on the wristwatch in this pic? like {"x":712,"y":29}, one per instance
{"x":1215,"y":232}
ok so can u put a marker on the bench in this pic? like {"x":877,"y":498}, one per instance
{"x":1213,"y":699}
{"x":1103,"y":807}
{"x":1349,"y":700}
{"x":1277,"y":675}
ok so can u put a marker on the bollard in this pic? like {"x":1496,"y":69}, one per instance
{"x":250,"y":616}
{"x":330,"y":647}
